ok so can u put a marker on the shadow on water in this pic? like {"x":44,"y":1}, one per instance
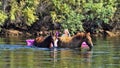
{"x":15,"y":54}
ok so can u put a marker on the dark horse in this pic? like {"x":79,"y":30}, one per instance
{"x":44,"y":42}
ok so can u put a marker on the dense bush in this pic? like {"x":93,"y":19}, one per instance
{"x":71,"y":14}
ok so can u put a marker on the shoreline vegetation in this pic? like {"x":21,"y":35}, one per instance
{"x":26,"y":18}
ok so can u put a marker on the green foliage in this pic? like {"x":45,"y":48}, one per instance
{"x":73,"y":22}
{"x":70,"y":13}
{"x":3,"y":17}
{"x":0,"y":4}
{"x":29,"y":11}
{"x":69,"y":18}
{"x":104,"y":11}
{"x":26,"y":9}
{"x":14,"y":10}
{"x":29,"y":15}
{"x":56,"y":18}
{"x":32,"y":3}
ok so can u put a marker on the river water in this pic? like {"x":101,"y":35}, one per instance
{"x":15,"y":54}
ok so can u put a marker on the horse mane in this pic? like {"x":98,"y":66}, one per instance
{"x":81,"y":35}
{"x":65,"y":39}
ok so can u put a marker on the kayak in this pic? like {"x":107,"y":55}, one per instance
{"x":30,"y":42}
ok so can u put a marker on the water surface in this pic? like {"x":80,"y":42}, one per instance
{"x":15,"y":54}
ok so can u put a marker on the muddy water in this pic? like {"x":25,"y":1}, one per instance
{"x":15,"y":54}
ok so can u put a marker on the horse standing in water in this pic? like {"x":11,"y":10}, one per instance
{"x":75,"y":41}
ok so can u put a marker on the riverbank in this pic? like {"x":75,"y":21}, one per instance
{"x":17,"y":33}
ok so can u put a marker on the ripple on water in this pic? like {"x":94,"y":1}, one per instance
{"x":113,"y":65}
{"x":116,"y":58}
{"x":101,"y":52}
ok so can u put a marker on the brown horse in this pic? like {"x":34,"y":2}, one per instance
{"x":75,"y":41}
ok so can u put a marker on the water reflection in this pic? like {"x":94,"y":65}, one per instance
{"x":12,"y":40}
{"x":53,"y":54}
{"x":69,"y":58}
{"x":87,"y":56}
